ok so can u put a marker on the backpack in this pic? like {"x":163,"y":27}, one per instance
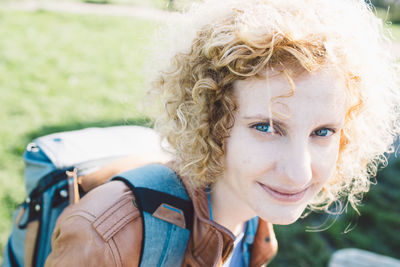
{"x":58,"y":172}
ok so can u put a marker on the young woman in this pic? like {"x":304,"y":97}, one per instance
{"x":270,"y":107}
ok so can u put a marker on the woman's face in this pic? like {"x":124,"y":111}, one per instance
{"x":276,"y":169}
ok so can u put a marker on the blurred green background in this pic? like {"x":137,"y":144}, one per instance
{"x":61,"y":71}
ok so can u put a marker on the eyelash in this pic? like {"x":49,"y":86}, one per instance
{"x":257,"y":127}
{"x":332,"y":131}
{"x":267,"y":129}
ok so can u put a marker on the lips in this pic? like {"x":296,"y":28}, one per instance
{"x":283,"y":195}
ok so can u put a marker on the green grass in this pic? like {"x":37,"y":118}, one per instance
{"x":160,"y":4}
{"x":146,"y":3}
{"x":63,"y":72}
{"x":163,"y":4}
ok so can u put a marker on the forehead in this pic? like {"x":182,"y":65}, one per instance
{"x":317,"y":95}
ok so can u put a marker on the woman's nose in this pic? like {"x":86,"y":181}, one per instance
{"x":295,"y":165}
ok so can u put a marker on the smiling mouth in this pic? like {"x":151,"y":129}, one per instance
{"x":284,"y":196}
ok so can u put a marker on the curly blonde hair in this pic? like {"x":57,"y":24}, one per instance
{"x":225,"y":41}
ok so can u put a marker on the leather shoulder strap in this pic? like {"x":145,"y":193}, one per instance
{"x":167,"y":213}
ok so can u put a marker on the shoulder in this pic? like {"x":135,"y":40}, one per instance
{"x":109,"y":208}
{"x":105,"y":224}
{"x":110,"y":198}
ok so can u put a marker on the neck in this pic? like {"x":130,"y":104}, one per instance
{"x":228,"y":210}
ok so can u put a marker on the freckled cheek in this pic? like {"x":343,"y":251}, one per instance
{"x":248,"y":157}
{"x":259,"y":163}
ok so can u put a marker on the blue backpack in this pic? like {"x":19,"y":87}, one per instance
{"x":53,"y":164}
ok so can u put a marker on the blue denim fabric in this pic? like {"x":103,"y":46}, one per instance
{"x":167,"y":243}
{"x":248,"y":239}
{"x":241,"y":252}
{"x":237,"y":258}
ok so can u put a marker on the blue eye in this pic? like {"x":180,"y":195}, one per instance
{"x":323,"y":132}
{"x":262,"y":127}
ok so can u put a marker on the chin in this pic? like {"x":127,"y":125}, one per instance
{"x":283,"y":221}
{"x":283,"y":218}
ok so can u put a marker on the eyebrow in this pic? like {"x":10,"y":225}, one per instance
{"x":264,"y":118}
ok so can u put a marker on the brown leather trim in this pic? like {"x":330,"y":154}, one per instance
{"x":30,"y":242}
{"x":115,"y":253}
{"x":73,"y":190}
{"x":19,"y":215}
{"x":265,"y":245}
{"x":115,"y":218}
{"x":170,"y":214}
{"x":99,"y":177}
